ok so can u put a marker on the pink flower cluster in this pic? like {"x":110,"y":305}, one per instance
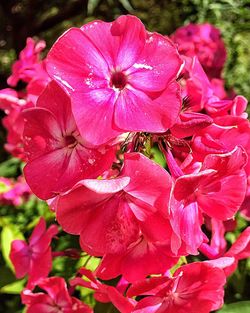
{"x":113,"y":92}
{"x":13,"y":192}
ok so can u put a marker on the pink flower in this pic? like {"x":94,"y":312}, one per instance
{"x":28,"y":66}
{"x":240,"y":250}
{"x":196,"y":288}
{"x":103,"y":293}
{"x":35,"y":257}
{"x":211,"y":191}
{"x":119,"y":75}
{"x":203,"y":41}
{"x":9,"y":100}
{"x":56,"y":300}
{"x":13,"y":121}
{"x":13,"y":192}
{"x":148,"y":255}
{"x":56,"y":153}
{"x":106,"y":213}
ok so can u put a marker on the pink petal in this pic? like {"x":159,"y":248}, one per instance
{"x":227,"y":163}
{"x":136,"y":111}
{"x":57,"y":101}
{"x":149,"y":73}
{"x":47,"y":170}
{"x":146,"y":258}
{"x":110,"y":228}
{"x":132,"y":39}
{"x":38,"y":232}
{"x":96,"y":114}
{"x":186,"y":223}
{"x":121,"y":303}
{"x":57,"y":289}
{"x":150,"y":305}
{"x":149,"y":183}
{"x":42,"y":308}
{"x":20,"y":257}
{"x":186,"y":185}
{"x":104,"y":186}
{"x":225,"y":202}
{"x":40,"y":266}
{"x":73,"y":206}
{"x":241,"y":247}
{"x":74,"y":60}
{"x":42,"y":133}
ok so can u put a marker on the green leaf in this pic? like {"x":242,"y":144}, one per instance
{"x":3,"y":188}
{"x":10,"y":167}
{"x":92,"y":5}
{"x":126,"y":4}
{"x":158,"y":156}
{"x":182,"y":260}
{"x":9,"y":233}
{"x":14,"y":288}
{"x":236,"y":307}
{"x":6,"y":276}
{"x":89,"y":262}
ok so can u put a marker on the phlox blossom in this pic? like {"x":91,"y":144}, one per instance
{"x":29,"y":65}
{"x":107,"y":213}
{"x":239,"y":250}
{"x":194,"y":288}
{"x":211,"y":191}
{"x":205,"y":42}
{"x":34,"y":258}
{"x":56,"y":153}
{"x":13,"y":192}
{"x":55,"y":300}
{"x":150,"y":254}
{"x":120,"y":77}
{"x":13,"y":106}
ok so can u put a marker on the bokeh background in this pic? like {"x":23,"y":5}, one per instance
{"x":47,"y":19}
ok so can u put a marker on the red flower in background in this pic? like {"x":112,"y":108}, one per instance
{"x":204,"y":41}
{"x":29,"y":65}
{"x":34,"y":259}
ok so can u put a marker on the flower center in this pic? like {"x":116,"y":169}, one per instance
{"x":118,"y":80}
{"x":70,"y":141}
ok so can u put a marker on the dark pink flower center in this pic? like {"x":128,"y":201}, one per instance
{"x":118,"y":80}
{"x":70,"y":141}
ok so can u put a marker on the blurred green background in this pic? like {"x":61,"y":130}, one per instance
{"x":48,"y":19}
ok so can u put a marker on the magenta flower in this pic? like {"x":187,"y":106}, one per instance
{"x":150,"y":254}
{"x":13,"y":121}
{"x":106,"y":213}
{"x":103,"y":293}
{"x":34,"y":258}
{"x":240,"y":249}
{"x":56,"y":153}
{"x":211,"y":191}
{"x":203,"y":41}
{"x":56,"y":300}
{"x":13,"y":192}
{"x":29,"y":65}
{"x":196,"y":288}
{"x":120,"y":77}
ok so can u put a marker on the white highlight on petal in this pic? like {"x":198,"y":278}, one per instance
{"x":142,"y":66}
{"x":64,"y":82}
